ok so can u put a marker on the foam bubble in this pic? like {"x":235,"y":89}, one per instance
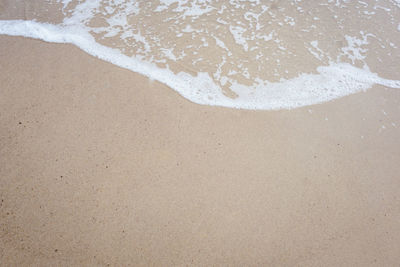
{"x":238,"y":60}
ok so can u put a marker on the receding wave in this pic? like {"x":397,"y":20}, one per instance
{"x":239,"y":54}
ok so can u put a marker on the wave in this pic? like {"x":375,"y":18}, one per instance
{"x":328,"y":81}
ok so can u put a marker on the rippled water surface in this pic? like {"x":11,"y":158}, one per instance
{"x":243,"y":54}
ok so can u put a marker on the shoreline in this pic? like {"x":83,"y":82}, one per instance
{"x":339,"y":78}
{"x":100,"y":165}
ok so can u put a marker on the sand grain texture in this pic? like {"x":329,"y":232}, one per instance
{"x":100,"y":166}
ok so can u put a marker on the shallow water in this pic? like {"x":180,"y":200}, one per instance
{"x":241,"y":54}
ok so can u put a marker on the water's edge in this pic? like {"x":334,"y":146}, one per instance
{"x":331,"y":82}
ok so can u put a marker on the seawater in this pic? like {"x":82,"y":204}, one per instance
{"x":247,"y":54}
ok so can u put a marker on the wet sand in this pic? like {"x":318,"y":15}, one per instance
{"x":100,"y":166}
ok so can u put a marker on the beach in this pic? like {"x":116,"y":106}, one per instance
{"x":199,"y":133}
{"x":102,"y":166}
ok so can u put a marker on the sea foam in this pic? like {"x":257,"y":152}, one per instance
{"x":333,"y":79}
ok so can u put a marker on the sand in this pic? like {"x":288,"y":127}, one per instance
{"x":100,"y":166}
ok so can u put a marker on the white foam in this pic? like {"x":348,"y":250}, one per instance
{"x":188,"y":8}
{"x":355,"y":51}
{"x":65,"y":3}
{"x":396,"y":2}
{"x":237,"y":33}
{"x":329,"y":82}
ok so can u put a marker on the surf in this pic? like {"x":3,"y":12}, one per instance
{"x":209,"y":66}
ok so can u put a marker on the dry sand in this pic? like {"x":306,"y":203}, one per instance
{"x":100,"y":166}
